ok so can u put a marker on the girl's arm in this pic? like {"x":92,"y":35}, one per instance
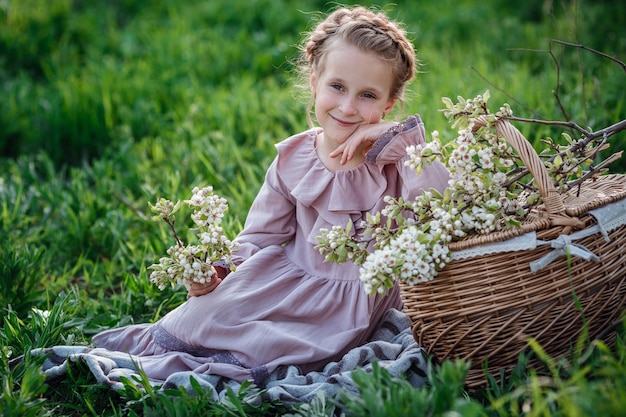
{"x":390,"y":148}
{"x":271,"y":219}
{"x":362,"y":138}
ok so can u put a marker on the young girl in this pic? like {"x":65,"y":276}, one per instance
{"x":284,"y":305}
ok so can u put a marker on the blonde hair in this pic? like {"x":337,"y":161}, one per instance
{"x":367,"y":30}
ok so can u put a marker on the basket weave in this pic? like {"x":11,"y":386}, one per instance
{"x":485,"y":308}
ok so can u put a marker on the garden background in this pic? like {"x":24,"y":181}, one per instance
{"x":106,"y":106}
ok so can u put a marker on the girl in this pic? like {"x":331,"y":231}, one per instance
{"x":284,"y":305}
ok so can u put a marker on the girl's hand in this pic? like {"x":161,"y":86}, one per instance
{"x":362,"y":139}
{"x":198,"y":289}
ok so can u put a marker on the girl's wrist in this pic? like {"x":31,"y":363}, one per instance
{"x":392,"y":132}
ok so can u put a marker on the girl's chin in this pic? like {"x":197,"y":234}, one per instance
{"x":336,"y":138}
{"x":340,"y":133}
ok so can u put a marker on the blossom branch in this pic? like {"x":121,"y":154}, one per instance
{"x":171,"y":224}
{"x":190,"y":264}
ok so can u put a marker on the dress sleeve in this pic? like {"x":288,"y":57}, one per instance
{"x":270,"y":221}
{"x":390,"y":148}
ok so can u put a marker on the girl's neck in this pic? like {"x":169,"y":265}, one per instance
{"x":324,"y":148}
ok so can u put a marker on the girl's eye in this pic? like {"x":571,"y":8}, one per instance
{"x":370,"y":96}
{"x":338,"y":87}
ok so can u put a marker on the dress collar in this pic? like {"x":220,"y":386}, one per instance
{"x":311,"y":183}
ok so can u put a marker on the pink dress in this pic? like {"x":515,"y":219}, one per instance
{"x":284,"y":305}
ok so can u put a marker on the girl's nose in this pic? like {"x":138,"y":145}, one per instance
{"x":347,"y":106}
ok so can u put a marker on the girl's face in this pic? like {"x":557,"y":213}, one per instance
{"x":353,"y":88}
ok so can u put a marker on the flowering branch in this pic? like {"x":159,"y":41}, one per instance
{"x":486,"y":193}
{"x":193,"y":263}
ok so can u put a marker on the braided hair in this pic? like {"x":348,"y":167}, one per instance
{"x":369,"y":31}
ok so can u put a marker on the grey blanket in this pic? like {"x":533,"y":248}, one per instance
{"x":392,"y":346}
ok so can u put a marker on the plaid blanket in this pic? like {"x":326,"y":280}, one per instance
{"x":392,"y":346}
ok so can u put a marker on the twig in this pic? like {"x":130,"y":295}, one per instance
{"x":611,"y":130}
{"x":555,"y":92}
{"x":122,"y":200}
{"x":567,"y":124}
{"x":595,"y":170}
{"x":505,"y":92}
{"x":589,"y":135}
{"x":171,"y":225}
{"x":585,"y":48}
{"x":580,"y":145}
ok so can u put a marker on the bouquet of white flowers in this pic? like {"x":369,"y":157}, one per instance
{"x":187,"y":264}
{"x":486,"y":193}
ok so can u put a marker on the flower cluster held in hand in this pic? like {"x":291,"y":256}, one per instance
{"x":410,"y":238}
{"x":187,"y":264}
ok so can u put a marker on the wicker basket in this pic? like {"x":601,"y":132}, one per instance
{"x":484,"y":308}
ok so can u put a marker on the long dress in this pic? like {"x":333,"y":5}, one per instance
{"x":284,"y":305}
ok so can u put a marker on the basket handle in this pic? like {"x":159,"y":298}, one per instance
{"x":550,"y":195}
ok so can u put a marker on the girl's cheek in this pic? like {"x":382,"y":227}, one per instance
{"x":375,"y":115}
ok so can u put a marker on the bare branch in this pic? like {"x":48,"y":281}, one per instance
{"x":577,"y":147}
{"x":585,"y":48}
{"x":611,"y":130}
{"x":132,"y":208}
{"x":570,"y":125}
{"x":589,"y":135}
{"x":596,"y":170}
{"x":505,"y":92}
{"x":555,"y":92}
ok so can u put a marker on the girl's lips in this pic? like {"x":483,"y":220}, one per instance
{"x":343,"y":123}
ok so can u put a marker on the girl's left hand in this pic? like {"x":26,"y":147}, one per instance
{"x":362,"y":138}
{"x":198,"y":289}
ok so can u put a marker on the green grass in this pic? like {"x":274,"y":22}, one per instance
{"x":106,"y":106}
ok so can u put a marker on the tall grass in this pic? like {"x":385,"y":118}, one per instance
{"x":105,"y":106}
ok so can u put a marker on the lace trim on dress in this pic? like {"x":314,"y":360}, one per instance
{"x":222,"y":263}
{"x":385,"y":138}
{"x":169,"y":342}
{"x":163,"y":338}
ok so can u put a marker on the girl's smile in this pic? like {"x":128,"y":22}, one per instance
{"x":341,"y":122}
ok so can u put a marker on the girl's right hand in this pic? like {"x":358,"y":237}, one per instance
{"x":361,"y":140}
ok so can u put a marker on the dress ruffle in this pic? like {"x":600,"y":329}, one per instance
{"x":333,"y":194}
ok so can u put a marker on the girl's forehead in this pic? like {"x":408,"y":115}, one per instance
{"x":342,"y":53}
{"x":350,"y":63}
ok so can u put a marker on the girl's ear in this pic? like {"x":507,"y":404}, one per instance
{"x":392,"y":102}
